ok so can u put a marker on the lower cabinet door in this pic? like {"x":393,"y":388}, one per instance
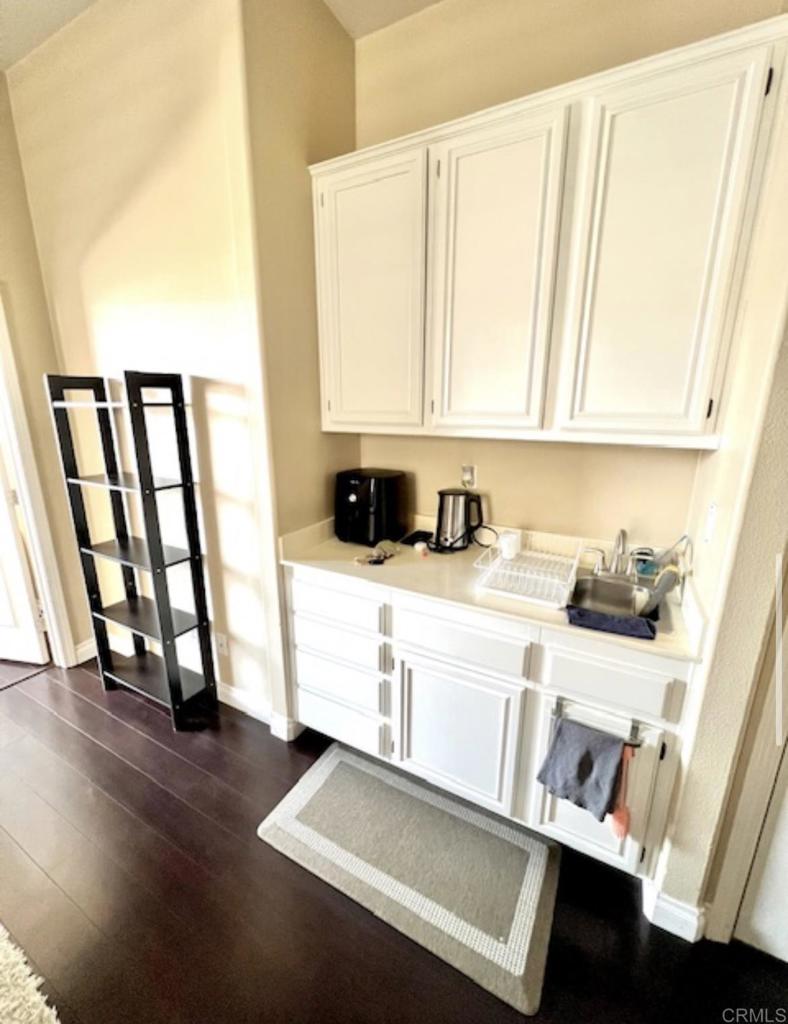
{"x":458,"y":729}
{"x":577,"y":827}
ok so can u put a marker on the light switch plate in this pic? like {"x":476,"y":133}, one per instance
{"x":468,"y":478}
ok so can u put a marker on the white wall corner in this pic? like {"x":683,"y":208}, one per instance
{"x":249,"y":703}
{"x":682,"y":919}
{"x":85,"y":651}
{"x":285,"y":728}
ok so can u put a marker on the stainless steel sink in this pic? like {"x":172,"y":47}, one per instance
{"x":611,"y":595}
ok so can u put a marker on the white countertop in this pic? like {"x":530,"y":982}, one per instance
{"x":453,"y":578}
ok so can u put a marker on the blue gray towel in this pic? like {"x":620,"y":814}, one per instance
{"x":583,"y":765}
{"x":644,"y":628}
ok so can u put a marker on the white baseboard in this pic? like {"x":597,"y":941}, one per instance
{"x":246,"y":702}
{"x":682,"y":919}
{"x":85,"y":651}
{"x":285,"y":728}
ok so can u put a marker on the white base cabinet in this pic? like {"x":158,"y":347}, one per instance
{"x":577,"y":827}
{"x":458,"y":729}
{"x":464,"y":699}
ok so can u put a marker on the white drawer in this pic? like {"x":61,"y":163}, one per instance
{"x":634,"y":689}
{"x":350,"y":609}
{"x":440,"y":638}
{"x":341,"y":723}
{"x":365,"y":651}
{"x":351,"y":685}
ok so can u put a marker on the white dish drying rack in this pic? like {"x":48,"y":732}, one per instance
{"x":543,"y":572}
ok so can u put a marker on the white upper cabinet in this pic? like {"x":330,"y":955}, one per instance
{"x":495,"y":196}
{"x":566,"y":267}
{"x":662,"y":181}
{"x":370,"y":238}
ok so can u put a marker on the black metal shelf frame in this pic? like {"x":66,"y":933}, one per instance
{"x":162,"y":679}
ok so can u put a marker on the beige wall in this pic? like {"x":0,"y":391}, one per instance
{"x":300,"y":73}
{"x":132,"y":129}
{"x":588,"y":491}
{"x":34,"y":352}
{"x":459,"y":56}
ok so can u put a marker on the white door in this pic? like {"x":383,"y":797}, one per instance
{"x":663,"y":176}
{"x":763,"y":918}
{"x":21,"y":638}
{"x":577,"y":827}
{"x":370,"y":235}
{"x":458,"y":729}
{"x":495,"y":196}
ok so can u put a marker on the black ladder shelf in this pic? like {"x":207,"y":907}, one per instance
{"x":186,"y":693}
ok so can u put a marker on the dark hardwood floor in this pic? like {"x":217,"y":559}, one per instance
{"x":131,"y":874}
{"x":12,"y":672}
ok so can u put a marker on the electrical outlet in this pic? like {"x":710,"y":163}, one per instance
{"x":221,"y":644}
{"x":468,"y":478}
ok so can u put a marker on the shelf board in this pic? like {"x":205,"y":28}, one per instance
{"x":147,"y":674}
{"x":122,"y":482}
{"x":134,"y":551}
{"x":140,"y":616}
{"x":85,"y":404}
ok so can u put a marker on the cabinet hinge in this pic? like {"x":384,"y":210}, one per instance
{"x":769,"y":80}
{"x":663,"y":750}
{"x":329,"y":405}
{"x":642,"y":854}
{"x":41,"y":618}
{"x":322,"y":199}
{"x":438,"y":168}
{"x":709,"y":408}
{"x":432,"y":405}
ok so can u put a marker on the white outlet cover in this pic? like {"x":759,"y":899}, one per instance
{"x":468,"y":478}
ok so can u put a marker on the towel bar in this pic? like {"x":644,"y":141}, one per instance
{"x":634,"y":725}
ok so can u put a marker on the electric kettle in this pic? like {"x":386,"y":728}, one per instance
{"x":459,"y":516}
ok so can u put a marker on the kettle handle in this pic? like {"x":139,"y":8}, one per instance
{"x":475,"y":502}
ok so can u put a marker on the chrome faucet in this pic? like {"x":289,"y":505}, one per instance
{"x":618,"y":554}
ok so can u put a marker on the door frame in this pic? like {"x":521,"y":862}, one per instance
{"x":27,"y":481}
{"x":756,"y":780}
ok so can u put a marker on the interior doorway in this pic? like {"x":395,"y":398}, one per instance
{"x":763,"y":916}
{"x":34,"y":624}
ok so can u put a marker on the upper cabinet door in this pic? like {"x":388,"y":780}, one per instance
{"x":370,"y":226}
{"x":495,"y":196}
{"x":661,"y":187}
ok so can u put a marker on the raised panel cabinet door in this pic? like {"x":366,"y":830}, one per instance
{"x":662,"y":185}
{"x":371,"y":227}
{"x":577,"y":827}
{"x":458,"y":729}
{"x":495,"y":196}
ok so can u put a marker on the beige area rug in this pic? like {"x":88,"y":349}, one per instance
{"x":21,"y":1001}
{"x":472,"y":888}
